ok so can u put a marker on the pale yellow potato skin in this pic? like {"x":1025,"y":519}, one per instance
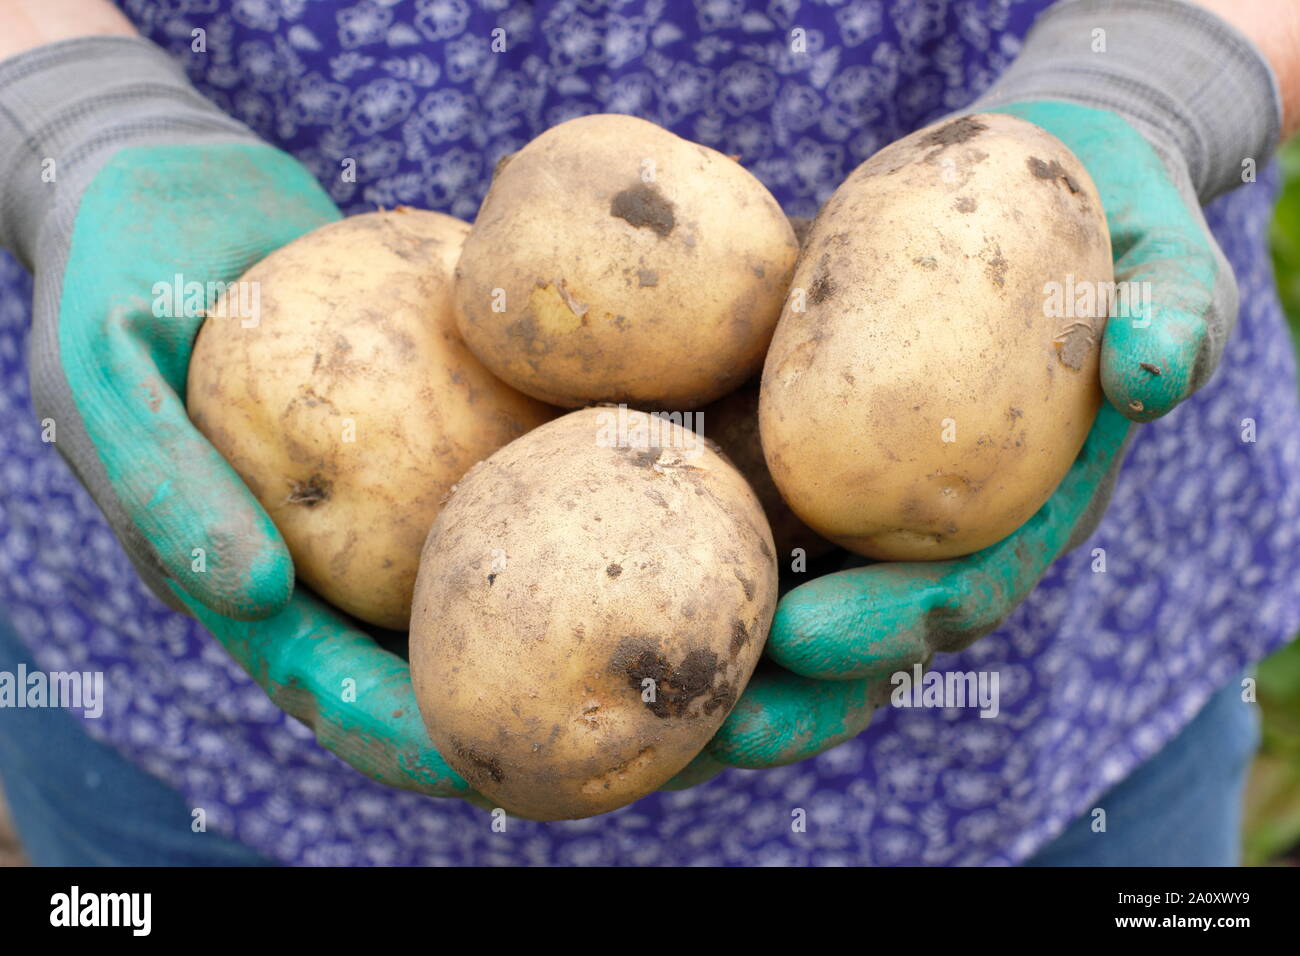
{"x":563,"y":573}
{"x":581,"y":282}
{"x":355,"y":327}
{"x":924,"y":285}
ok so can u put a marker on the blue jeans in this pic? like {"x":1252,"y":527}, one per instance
{"x":76,"y":802}
{"x":1180,"y":808}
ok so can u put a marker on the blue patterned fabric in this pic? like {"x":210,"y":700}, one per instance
{"x":1097,"y":670}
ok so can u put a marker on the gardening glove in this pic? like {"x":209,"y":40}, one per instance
{"x":1159,"y":135}
{"x":118,"y":182}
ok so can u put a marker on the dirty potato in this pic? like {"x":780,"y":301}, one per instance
{"x":927,"y":388}
{"x":591,"y":602}
{"x":348,"y":403}
{"x":613,"y":261}
{"x":732,"y":422}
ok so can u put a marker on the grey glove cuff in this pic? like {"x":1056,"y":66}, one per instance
{"x":66,"y":107}
{"x":77,"y":102}
{"x":1200,"y":92}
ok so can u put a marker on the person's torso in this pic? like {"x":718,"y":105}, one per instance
{"x":1096,"y":670}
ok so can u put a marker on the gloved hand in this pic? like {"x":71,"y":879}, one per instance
{"x":120,"y":181}
{"x":1159,"y":137}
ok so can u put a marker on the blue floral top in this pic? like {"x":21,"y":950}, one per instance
{"x":1098,"y":670}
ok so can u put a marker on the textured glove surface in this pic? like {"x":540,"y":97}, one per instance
{"x":1157,"y":140}
{"x":158,"y":201}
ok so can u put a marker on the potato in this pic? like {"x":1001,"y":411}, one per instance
{"x":613,"y":261}
{"x":351,"y":407}
{"x":920,"y":400}
{"x":732,"y":422}
{"x":590,"y":605}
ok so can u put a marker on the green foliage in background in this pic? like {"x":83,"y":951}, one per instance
{"x":1272,"y":826}
{"x":1284,"y":237}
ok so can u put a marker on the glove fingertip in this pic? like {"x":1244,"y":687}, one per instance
{"x":1150,"y":365}
{"x":798,"y":637}
{"x":269,"y":587}
{"x":1142,"y":391}
{"x":246,"y":579}
{"x":860,"y":623}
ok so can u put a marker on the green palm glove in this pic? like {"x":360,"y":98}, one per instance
{"x":106,"y":366}
{"x":1165,"y":142}
{"x":207,"y":211}
{"x":154,"y":187}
